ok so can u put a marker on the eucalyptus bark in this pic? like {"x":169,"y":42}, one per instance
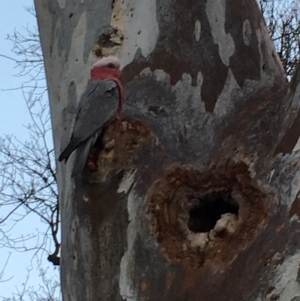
{"x":196,"y":194}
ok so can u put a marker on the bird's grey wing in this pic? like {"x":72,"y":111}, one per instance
{"x":82,"y":153}
{"x":97,"y":105}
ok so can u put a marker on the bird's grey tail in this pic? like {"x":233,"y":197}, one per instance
{"x":82,"y":154}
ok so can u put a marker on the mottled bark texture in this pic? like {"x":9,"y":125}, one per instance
{"x":196,"y":193}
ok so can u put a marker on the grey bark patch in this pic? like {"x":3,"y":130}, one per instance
{"x":65,"y":33}
{"x":290,"y":138}
{"x":215,"y":11}
{"x":197,"y":30}
{"x":247,"y":31}
{"x":175,"y":38}
{"x":245,"y":57}
{"x":68,"y":113}
{"x":140,"y":28}
{"x":292,"y":130}
{"x":95,"y":226}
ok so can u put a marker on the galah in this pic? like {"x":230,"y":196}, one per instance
{"x":98,"y":106}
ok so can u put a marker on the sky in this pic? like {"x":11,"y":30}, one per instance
{"x":13,"y":112}
{"x":13,"y":118}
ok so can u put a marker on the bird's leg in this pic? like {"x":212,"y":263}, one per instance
{"x":119,"y":115}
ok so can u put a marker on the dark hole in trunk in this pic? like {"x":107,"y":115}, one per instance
{"x":208,"y":210}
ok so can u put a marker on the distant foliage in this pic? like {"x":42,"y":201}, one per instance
{"x":283,"y":21}
{"x":28,"y":186}
{"x":27,"y":168}
{"x":47,"y":290}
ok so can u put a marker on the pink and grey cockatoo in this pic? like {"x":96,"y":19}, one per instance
{"x":99,"y":105}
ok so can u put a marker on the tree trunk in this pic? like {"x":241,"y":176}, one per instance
{"x":196,"y":194}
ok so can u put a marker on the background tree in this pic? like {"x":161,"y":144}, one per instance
{"x":282,"y":19}
{"x":27,"y":168}
{"x":48,"y":290}
{"x":196,"y":197}
{"x":28,"y":189}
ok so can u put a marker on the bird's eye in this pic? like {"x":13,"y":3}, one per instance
{"x":111,"y":66}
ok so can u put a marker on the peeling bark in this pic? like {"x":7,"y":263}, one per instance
{"x":196,"y":195}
